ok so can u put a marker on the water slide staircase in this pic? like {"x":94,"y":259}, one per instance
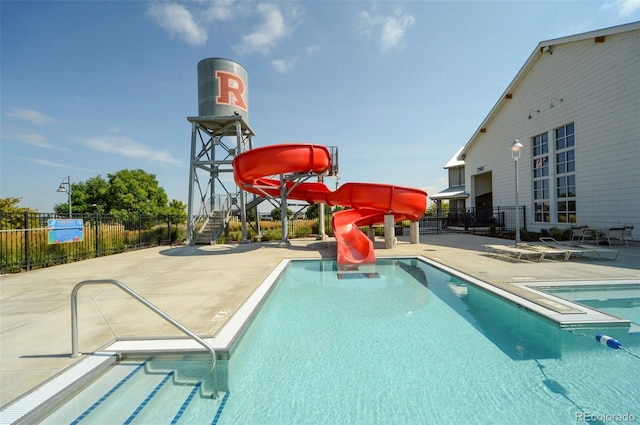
{"x":214,"y":225}
{"x":212,"y":228}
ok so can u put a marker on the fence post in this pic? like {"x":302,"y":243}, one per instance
{"x":139,"y":230}
{"x":27,"y":260}
{"x":97,"y":234}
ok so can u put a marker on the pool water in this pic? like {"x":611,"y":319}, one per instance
{"x":165,"y":389}
{"x":410,"y":344}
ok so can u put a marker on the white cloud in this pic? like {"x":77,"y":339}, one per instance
{"x":312,"y":49}
{"x":272,"y":29}
{"x":192,"y":21}
{"x":44,"y":162}
{"x":127,"y":147}
{"x":394,"y":29}
{"x":31,"y":115}
{"x":625,"y":8}
{"x":388,"y":30}
{"x":176,"y":19}
{"x":283,"y":66}
{"x":38,"y":140}
{"x":54,"y":164}
{"x":220,"y":10}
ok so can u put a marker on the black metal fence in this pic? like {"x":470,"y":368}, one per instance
{"x":475,"y":220}
{"x":25,"y":237}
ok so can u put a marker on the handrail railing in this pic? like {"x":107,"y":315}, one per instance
{"x":165,"y":316}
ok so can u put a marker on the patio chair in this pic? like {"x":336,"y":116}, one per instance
{"x":628,"y":234}
{"x":582,"y":232}
{"x":615,"y":234}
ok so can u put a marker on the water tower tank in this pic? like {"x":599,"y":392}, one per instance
{"x":223,"y":88}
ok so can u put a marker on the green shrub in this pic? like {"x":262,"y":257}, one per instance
{"x":302,"y":231}
{"x":558,"y":234}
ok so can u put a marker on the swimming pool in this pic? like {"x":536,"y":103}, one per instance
{"x":404,"y":343}
{"x":411,"y":344}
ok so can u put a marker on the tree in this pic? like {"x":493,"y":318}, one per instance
{"x":313,"y":211}
{"x":136,"y":191}
{"x":10,"y":205}
{"x":251,"y":214}
{"x":125,"y":192}
{"x":91,"y":196}
{"x":432,"y":210}
{"x":10,"y":214}
{"x":275,"y":214}
{"x":176,"y":209}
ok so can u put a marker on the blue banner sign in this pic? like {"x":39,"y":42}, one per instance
{"x":65,"y":230}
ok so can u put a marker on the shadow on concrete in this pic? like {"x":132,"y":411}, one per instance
{"x":47,"y":356}
{"x":326,"y":249}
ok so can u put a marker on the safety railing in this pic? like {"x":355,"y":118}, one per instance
{"x":165,"y":316}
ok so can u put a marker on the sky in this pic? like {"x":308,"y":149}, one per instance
{"x":89,"y":88}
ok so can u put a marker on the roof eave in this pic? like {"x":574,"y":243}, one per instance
{"x":535,"y":55}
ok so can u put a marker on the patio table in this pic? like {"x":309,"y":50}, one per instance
{"x":600,"y":233}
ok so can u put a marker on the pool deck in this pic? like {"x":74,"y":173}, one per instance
{"x":194,"y":284}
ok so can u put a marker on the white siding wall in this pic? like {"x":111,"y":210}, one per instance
{"x":600,"y":85}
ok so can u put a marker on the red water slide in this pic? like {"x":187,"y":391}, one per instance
{"x":370,"y":202}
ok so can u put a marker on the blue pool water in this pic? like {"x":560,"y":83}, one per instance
{"x":410,"y":344}
{"x":165,"y":389}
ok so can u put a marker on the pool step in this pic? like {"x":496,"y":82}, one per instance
{"x":141,"y":392}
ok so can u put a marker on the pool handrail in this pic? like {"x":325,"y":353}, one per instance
{"x":135,"y":295}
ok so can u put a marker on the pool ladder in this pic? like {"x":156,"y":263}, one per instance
{"x":165,"y":316}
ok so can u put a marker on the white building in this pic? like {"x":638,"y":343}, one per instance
{"x":575,"y":106}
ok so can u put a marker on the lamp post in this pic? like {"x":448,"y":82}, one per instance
{"x":515,"y":154}
{"x":67,"y":189}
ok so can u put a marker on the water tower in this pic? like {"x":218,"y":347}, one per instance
{"x":219,"y":133}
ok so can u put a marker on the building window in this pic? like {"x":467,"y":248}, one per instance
{"x":456,"y":176}
{"x":565,"y":156}
{"x":541,"y":205}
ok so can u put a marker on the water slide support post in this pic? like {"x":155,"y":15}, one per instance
{"x":284,"y":243}
{"x":390,"y":241}
{"x":321,"y":233}
{"x":414,"y":232}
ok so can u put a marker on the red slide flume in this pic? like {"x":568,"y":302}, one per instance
{"x":370,"y":202}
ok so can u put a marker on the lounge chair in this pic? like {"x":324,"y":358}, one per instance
{"x":513,"y":252}
{"x":582,"y":251}
{"x":549,"y":252}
